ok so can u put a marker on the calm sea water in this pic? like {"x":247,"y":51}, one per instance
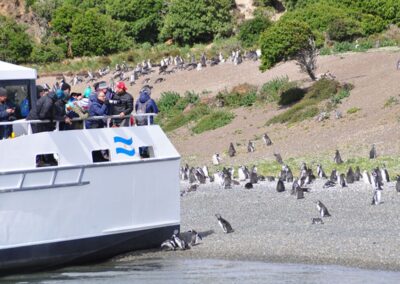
{"x":207,"y":271}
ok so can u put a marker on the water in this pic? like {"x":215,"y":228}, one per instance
{"x":207,"y":271}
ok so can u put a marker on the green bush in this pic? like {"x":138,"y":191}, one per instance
{"x":322,"y":90}
{"x":272,"y":90}
{"x":337,"y":99}
{"x":283,"y":41}
{"x":47,"y":52}
{"x":180,"y":119}
{"x":15,"y":44}
{"x":299,"y":112}
{"x":343,"y":29}
{"x":241,"y":95}
{"x":188,"y":22}
{"x":168,"y":101}
{"x":250,"y":30}
{"x":353,"y":110}
{"x":345,"y":46}
{"x":212,"y":121}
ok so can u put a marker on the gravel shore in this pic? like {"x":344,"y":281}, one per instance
{"x":276,"y":227}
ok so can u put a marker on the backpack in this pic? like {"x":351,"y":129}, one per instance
{"x":142,"y":120}
{"x":24,"y":107}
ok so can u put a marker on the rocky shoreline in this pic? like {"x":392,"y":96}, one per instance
{"x":276,"y":227}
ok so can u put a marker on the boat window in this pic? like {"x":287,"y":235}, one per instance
{"x":47,"y":160}
{"x":146,"y":152}
{"x":100,"y":156}
{"x":18,"y":94}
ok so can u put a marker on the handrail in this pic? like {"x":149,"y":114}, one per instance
{"x":107,"y":117}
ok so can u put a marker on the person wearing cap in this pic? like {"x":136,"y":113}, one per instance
{"x":145,"y":104}
{"x":76,"y":109}
{"x":7,"y":113}
{"x":122,"y":105}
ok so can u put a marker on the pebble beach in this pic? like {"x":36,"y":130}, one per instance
{"x":276,"y":227}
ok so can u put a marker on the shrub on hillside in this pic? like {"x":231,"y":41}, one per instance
{"x":212,"y":121}
{"x":250,"y":30}
{"x":241,"y":95}
{"x":344,"y":29}
{"x":47,"y":52}
{"x":272,"y":90}
{"x":168,"y":101}
{"x":322,"y":89}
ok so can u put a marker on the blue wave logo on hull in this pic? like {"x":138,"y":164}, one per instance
{"x":126,"y":142}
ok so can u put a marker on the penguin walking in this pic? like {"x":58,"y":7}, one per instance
{"x":372,"y":152}
{"x":266,"y":139}
{"x":231,"y":150}
{"x":250,"y":147}
{"x":366,"y":177}
{"x":323,"y":211}
{"x":376,"y":198}
{"x":320,"y":172}
{"x":295,"y":187}
{"x":226,"y":227}
{"x":241,"y":174}
{"x":216,"y":160}
{"x":385,"y":174}
{"x":342,"y":180}
{"x":337,"y":159}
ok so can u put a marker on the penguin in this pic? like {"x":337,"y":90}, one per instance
{"x":376,"y":179}
{"x":329,"y":183}
{"x":178,"y":241}
{"x":278,"y":158}
{"x":376,"y":198}
{"x":183,"y":174}
{"x":231,"y":150}
{"x":385,"y":174}
{"x":219,"y":178}
{"x":195,"y":238}
{"x":333,"y":177}
{"x":241,"y":174}
{"x":266,"y":139}
{"x":192,"y":175}
{"x":289,"y":175}
{"x":295,"y":187}
{"x":205,"y":171}
{"x":280,"y":186}
{"x":320,"y":172}
{"x":300,"y":193}
{"x":226,"y":227}
{"x":216,"y":159}
{"x":253,"y":175}
{"x":168,"y":245}
{"x":227,"y":179}
{"x":398,"y":184}
{"x":337,"y":159}
{"x":342,"y":180}
{"x":316,"y":221}
{"x":283,"y":173}
{"x":250,"y":147}
{"x":350,"y":176}
{"x":200,"y":176}
{"x":357,"y":174}
{"x":366,"y":177}
{"x":372,"y":152}
{"x":248,"y":185}
{"x":323,"y":211}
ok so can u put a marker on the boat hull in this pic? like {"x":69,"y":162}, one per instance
{"x":80,"y":251}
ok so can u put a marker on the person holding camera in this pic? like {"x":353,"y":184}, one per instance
{"x":7,"y":113}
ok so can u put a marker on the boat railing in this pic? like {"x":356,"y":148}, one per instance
{"x":108,"y":118}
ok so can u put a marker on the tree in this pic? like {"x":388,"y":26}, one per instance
{"x":250,"y":30}
{"x":93,"y":33}
{"x":142,"y":17}
{"x":15,"y":44}
{"x":286,"y":40}
{"x":306,"y":59}
{"x":187,"y":21}
{"x":46,"y":8}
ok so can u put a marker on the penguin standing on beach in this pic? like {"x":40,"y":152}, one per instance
{"x":253,"y":175}
{"x":350,"y":176}
{"x":357,"y":174}
{"x":216,"y":159}
{"x":194,"y":237}
{"x":366,"y":177}
{"x":320,"y":172}
{"x":250,"y":147}
{"x":385,"y":174}
{"x":280,"y":186}
{"x":342,"y":180}
{"x":333,"y":177}
{"x":226,"y":227}
{"x":323,"y":211}
{"x":231,"y":150}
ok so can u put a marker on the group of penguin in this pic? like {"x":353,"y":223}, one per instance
{"x":186,"y":240}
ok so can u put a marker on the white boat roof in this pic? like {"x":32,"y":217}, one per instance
{"x":10,"y":71}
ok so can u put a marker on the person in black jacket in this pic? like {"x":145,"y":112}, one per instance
{"x":121,"y":104}
{"x":7,"y":113}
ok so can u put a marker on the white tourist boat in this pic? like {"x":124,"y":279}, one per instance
{"x":82,"y":210}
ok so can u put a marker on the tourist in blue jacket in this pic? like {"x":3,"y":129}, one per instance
{"x":99,"y":106}
{"x":145,"y":104}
